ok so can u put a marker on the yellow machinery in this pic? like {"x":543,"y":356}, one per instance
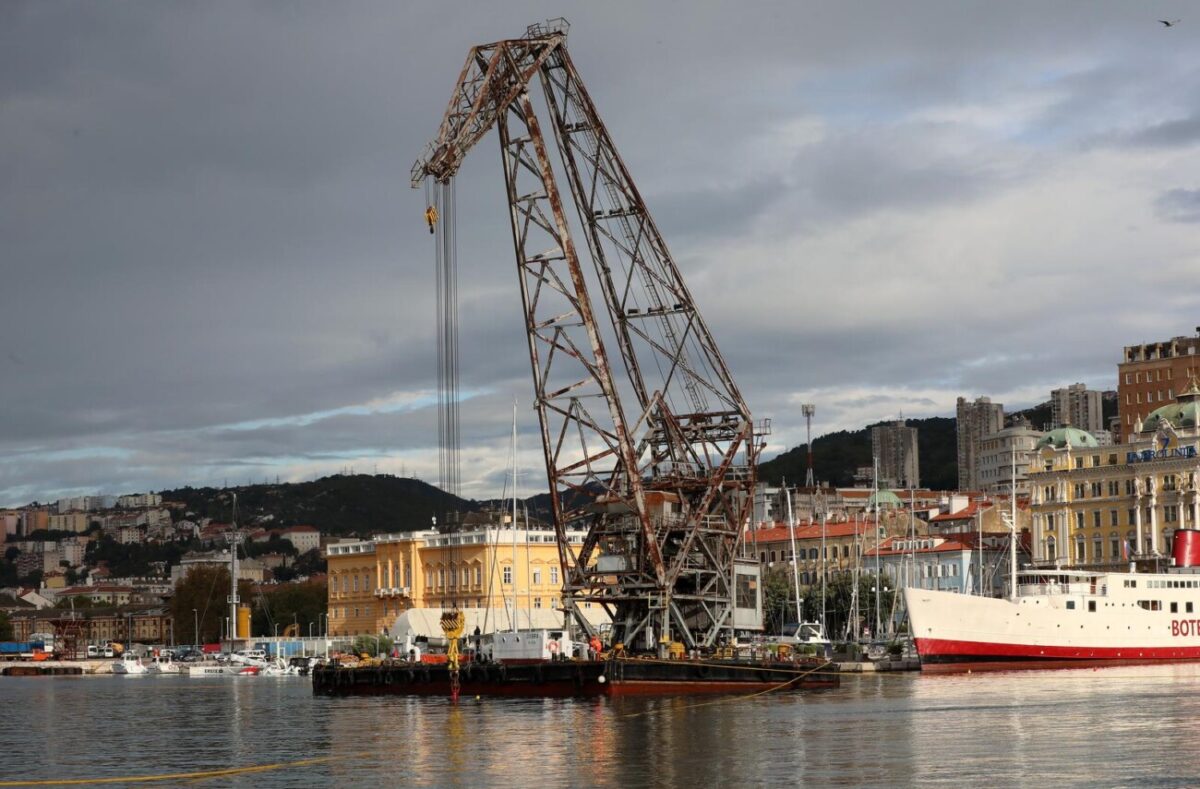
{"x":243,"y":622}
{"x":453,"y":624}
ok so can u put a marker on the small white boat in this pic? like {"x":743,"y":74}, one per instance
{"x":165,"y":665}
{"x":130,"y":665}
{"x":207,"y":670}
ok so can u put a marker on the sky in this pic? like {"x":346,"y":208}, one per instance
{"x":213,"y":269}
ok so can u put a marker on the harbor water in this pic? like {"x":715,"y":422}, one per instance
{"x":1128,"y":726}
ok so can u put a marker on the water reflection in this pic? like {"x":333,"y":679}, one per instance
{"x":1079,"y":728}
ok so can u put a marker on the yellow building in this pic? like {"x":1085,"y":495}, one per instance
{"x":77,"y":522}
{"x":372,"y":581}
{"x":1103,"y":506}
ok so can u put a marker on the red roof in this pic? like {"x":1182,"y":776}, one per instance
{"x":803,"y":531}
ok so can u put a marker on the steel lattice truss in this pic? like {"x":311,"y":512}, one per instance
{"x":669,"y":492}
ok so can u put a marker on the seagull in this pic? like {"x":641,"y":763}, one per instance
{"x":1167,"y":23}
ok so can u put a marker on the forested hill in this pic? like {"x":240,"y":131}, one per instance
{"x":349,"y":505}
{"x":837,"y":455}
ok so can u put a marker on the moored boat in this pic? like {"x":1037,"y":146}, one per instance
{"x":130,"y":665}
{"x":1062,"y":617}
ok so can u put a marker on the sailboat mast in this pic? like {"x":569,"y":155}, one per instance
{"x":1012,"y":540}
{"x":878,"y":577}
{"x":234,"y":539}
{"x":792,"y":538}
{"x":513,"y":617}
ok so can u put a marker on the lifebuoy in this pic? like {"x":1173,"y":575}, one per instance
{"x":553,"y":647}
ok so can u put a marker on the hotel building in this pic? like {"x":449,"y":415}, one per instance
{"x":1102,"y":507}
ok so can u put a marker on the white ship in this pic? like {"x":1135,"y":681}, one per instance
{"x":1063,"y":617}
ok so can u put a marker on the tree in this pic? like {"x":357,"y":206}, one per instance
{"x":77,"y":601}
{"x":6,"y":628}
{"x":310,"y":563}
{"x":779,"y":602}
{"x":204,"y":590}
{"x":838,"y":594}
{"x":299,"y":603}
{"x":380,"y":645}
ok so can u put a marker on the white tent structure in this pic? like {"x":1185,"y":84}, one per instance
{"x":425,"y":624}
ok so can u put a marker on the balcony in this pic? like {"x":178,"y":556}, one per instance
{"x":393,"y":591}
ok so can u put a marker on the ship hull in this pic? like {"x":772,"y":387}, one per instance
{"x":582,"y":679}
{"x":1099,"y":621}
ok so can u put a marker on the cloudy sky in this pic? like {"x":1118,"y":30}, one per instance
{"x":213,"y":267}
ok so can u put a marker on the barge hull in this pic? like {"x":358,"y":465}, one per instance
{"x":564,"y":679}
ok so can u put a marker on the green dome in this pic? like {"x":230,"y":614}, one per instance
{"x":1184,"y":412}
{"x":1057,"y":439}
{"x":886,"y":500}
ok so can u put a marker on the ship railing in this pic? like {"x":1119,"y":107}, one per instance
{"x":1056,"y":588}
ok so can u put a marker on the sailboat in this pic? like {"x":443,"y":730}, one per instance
{"x":528,"y":645}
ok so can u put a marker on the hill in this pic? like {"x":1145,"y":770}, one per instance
{"x":347,"y":505}
{"x":836,"y":456}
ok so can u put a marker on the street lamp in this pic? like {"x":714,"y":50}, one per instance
{"x":196,"y":626}
{"x":276,"y":640}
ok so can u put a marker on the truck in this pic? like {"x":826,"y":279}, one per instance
{"x":23,"y":650}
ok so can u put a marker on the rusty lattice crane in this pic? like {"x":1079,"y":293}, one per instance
{"x":664,"y":490}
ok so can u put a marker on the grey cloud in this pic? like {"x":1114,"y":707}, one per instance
{"x":1179,"y":205}
{"x":205,"y":217}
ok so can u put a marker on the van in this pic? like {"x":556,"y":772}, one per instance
{"x":93,"y":651}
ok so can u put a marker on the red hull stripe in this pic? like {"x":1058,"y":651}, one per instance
{"x":936,"y":650}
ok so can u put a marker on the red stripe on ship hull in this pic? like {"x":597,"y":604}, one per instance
{"x":934,"y":651}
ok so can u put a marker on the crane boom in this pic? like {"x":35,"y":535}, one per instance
{"x":665,"y":497}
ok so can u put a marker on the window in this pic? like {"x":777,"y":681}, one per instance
{"x":554,"y":575}
{"x":1112,"y":518}
{"x":356,"y":585}
{"x":478,"y":575}
{"x":441,"y":576}
{"x":507,"y":574}
{"x":537,"y":602}
{"x":812,"y":553}
{"x":1079,"y":464}
{"x":1079,"y":486}
{"x":1170,"y":513}
{"x":1079,"y":518}
{"x":1129,"y":487}
{"x":466,"y":576}
{"x":1132,"y":518}
{"x":1080,"y":553}
{"x":1096,"y":518}
{"x":537,"y":577}
{"x":1097,"y":548}
{"x":1091,"y":606}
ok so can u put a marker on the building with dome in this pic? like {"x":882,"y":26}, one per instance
{"x":1150,"y":374}
{"x":1102,"y":507}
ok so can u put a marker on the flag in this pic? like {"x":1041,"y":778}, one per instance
{"x":1125,"y":550}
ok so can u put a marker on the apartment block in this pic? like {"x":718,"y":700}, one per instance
{"x":975,"y":420}
{"x":1151,"y":375}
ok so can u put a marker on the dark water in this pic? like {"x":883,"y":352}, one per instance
{"x":1112,"y":727}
